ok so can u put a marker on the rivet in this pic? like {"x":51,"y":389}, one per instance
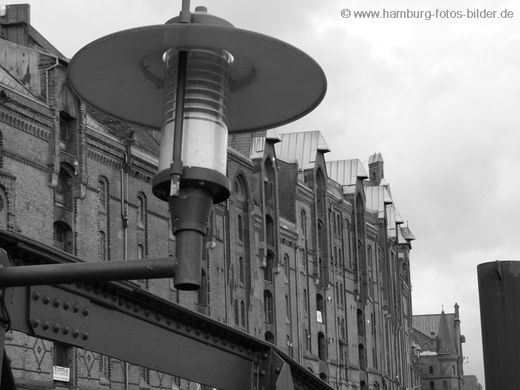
{"x":66,"y":330}
{"x":46,"y":300}
{"x":56,"y":328}
{"x":75,"y":333}
{"x":85,"y":336}
{"x":278,"y":369}
{"x":85,"y":311}
{"x":57,"y":302}
{"x":36,"y":323}
{"x":75,"y":309}
{"x":262,"y":373}
{"x":45,"y":325}
{"x":36,"y":296}
{"x":66,"y":305}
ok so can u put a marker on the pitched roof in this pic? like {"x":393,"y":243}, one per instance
{"x":377,"y":197}
{"x":346,"y":172}
{"x":301,"y":147}
{"x":258,"y":144}
{"x":445,"y":342}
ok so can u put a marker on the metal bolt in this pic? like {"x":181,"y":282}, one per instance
{"x":85,"y":336}
{"x":46,"y":300}
{"x":85,"y":311}
{"x":35,"y":296}
{"x":66,"y":305}
{"x":45,"y":325}
{"x":36,"y":323}
{"x":66,"y":330}
{"x":57,"y":302}
{"x":75,"y":333}
{"x":56,"y":328}
{"x":75,"y":309}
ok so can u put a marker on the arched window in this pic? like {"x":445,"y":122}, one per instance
{"x":63,"y":195}
{"x":286,"y":266}
{"x":268,"y":270}
{"x":102,"y":242}
{"x":320,"y":309}
{"x":305,"y":302}
{"x":303,"y":223}
{"x":102,"y":194}
{"x":63,"y":236}
{"x":67,"y":108}
{"x":362,"y":357}
{"x":141,"y":210}
{"x":241,"y":271}
{"x":322,"y":346}
{"x":268,"y":307}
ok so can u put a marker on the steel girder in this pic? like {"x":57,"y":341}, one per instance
{"x":121,"y":320}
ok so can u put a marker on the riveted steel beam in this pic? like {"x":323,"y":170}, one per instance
{"x":119,"y":319}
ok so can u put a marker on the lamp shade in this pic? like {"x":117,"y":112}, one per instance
{"x":271,"y":82}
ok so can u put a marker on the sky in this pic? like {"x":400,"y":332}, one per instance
{"x":438,"y":96}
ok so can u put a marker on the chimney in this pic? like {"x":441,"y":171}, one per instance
{"x":14,"y":23}
{"x":375,"y":168}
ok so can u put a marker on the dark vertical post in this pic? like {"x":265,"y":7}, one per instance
{"x":499,"y":291}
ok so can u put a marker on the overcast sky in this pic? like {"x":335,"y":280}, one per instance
{"x":439,"y":98}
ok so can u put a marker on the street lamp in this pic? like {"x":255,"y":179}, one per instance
{"x":196,"y":79}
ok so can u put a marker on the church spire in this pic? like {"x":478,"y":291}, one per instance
{"x":445,"y":343}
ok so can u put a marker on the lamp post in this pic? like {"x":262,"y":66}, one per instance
{"x":196,"y":79}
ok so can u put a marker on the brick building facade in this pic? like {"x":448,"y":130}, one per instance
{"x":309,"y":254}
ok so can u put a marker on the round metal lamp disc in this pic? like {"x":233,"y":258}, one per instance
{"x":272,"y":82}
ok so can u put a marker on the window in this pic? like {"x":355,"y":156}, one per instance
{"x":236,"y":311}
{"x":102,"y":254}
{"x":67,"y":131}
{"x":322,"y":346}
{"x":320,"y":309}
{"x":431,"y":370}
{"x":432,"y":385}
{"x":62,"y":355}
{"x":286,"y":266}
{"x":241,"y":273}
{"x":268,"y":307}
{"x":307,"y":341}
{"x":287,"y":308}
{"x":102,"y":194}
{"x":360,"y":323}
{"x":269,"y":337}
{"x":362,"y":357}
{"x":444,"y":385}
{"x":63,"y":236}
{"x":141,"y":211}
{"x":269,"y":230}
{"x":268,"y":270}
{"x":305,"y":302}
{"x":63,"y":193}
